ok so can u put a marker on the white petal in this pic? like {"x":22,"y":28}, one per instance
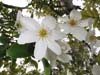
{"x":91,"y":21}
{"x":20,"y":28}
{"x":52,"y":57}
{"x":96,"y":70}
{"x":27,"y":37}
{"x":40,"y":49}
{"x":64,"y":46}
{"x":79,"y":32}
{"x":84,"y":23}
{"x":52,"y":45}
{"x":64,"y":58}
{"x":19,"y":15}
{"x":63,"y":19}
{"x":65,"y":27}
{"x":56,"y":35}
{"x":17,"y":3}
{"x":49,"y":22}
{"x":97,"y":43}
{"x":75,"y":15}
{"x":29,"y":23}
{"x":88,"y":37}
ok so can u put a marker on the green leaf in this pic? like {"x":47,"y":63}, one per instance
{"x":47,"y":67}
{"x":3,"y":39}
{"x":98,"y":58}
{"x":18,"y":51}
{"x":2,"y":51}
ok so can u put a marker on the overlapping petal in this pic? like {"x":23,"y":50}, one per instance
{"x":52,"y":57}
{"x":74,"y":14}
{"x":84,"y":23}
{"x":79,"y":33}
{"x":64,"y":19}
{"x":65,"y":27}
{"x":27,"y":37}
{"x":19,"y":15}
{"x":64,"y":58}
{"x":49,"y":22}
{"x":29,"y":23}
{"x":52,"y":45}
{"x":40,"y":49}
{"x":56,"y":35}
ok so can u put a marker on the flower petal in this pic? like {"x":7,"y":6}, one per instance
{"x":91,"y":21}
{"x":75,"y":15}
{"x":52,"y":45}
{"x":19,"y":15}
{"x":64,"y":46}
{"x":96,"y":70}
{"x":63,"y":19}
{"x":56,"y":35}
{"x":52,"y":57}
{"x":64,"y":58}
{"x":17,"y":23}
{"x":27,"y":37}
{"x":40,"y":49}
{"x":17,"y":3}
{"x":65,"y":27}
{"x":79,"y":32}
{"x":29,"y":23}
{"x":97,"y":43}
{"x":86,"y":22}
{"x":49,"y":22}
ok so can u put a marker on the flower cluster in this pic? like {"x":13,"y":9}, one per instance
{"x":48,"y":34}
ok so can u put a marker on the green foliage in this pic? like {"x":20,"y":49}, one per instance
{"x":47,"y":67}
{"x":18,"y":51}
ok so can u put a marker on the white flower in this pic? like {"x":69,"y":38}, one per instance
{"x":96,"y":70}
{"x":92,"y":40}
{"x":73,"y":24}
{"x":17,"y":3}
{"x":43,"y":34}
{"x":63,"y":57}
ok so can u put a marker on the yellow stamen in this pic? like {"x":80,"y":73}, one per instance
{"x":72,"y":22}
{"x":43,"y":33}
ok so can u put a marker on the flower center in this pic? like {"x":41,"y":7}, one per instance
{"x":72,"y":22}
{"x":43,"y":33}
{"x":18,"y":25}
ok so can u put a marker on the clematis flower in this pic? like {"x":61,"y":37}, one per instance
{"x":96,"y":70}
{"x":74,"y":25}
{"x":92,"y":40}
{"x":43,"y":34}
{"x":63,"y":57}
